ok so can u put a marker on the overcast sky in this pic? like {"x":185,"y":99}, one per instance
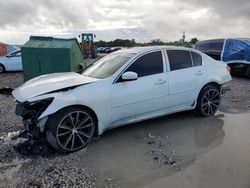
{"x":132,"y":19}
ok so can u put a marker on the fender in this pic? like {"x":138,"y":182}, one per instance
{"x":62,"y":100}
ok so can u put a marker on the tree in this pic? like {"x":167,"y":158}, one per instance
{"x":156,"y":42}
{"x":194,"y":40}
{"x":133,"y":42}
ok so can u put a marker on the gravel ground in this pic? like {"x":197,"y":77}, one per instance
{"x":8,"y":121}
{"x":37,"y":170}
{"x":51,"y":170}
{"x":54,"y":170}
{"x":11,"y":80}
{"x":237,"y":100}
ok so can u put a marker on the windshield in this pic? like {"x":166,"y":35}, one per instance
{"x":107,"y":66}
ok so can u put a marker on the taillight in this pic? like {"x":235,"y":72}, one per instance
{"x":228,"y":69}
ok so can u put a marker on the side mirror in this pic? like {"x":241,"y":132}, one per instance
{"x":129,"y":76}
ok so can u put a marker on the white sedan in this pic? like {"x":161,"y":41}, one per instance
{"x":122,"y":88}
{"x":11,"y":62}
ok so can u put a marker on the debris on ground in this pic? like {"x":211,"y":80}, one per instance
{"x":34,"y":163}
{"x":162,"y":151}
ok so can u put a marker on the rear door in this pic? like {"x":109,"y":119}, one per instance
{"x":186,"y":76}
{"x":144,"y":96}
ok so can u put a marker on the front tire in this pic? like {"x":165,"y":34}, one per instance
{"x":2,"y":68}
{"x":208,"y":101}
{"x":70,"y":129}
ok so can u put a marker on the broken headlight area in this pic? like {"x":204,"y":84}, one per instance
{"x":30,"y":112}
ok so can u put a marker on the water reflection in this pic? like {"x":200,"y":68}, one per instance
{"x":124,"y":154}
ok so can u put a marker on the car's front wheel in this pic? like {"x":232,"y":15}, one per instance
{"x":208,"y":101}
{"x":70,"y":129}
{"x":2,"y":68}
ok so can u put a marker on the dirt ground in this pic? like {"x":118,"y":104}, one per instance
{"x":179,"y":150}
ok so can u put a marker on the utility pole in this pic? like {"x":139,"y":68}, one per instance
{"x":183,"y":36}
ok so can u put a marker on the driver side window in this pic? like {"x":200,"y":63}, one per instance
{"x":148,"y":64}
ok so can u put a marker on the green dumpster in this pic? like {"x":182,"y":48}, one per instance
{"x":44,"y":55}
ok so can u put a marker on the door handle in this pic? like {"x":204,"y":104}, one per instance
{"x":199,"y":73}
{"x":160,"y":82}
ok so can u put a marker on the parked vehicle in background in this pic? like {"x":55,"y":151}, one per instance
{"x":103,"y":50}
{"x":107,"y":49}
{"x":213,"y":48}
{"x":234,"y":52}
{"x":11,"y":62}
{"x":121,"y":88}
{"x":7,"y":49}
{"x":99,"y":49}
{"x":114,"y":49}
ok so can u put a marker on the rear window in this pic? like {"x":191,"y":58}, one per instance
{"x":179,"y":59}
{"x":197,"y":59}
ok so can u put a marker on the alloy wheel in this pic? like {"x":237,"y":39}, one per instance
{"x":75,"y":130}
{"x":1,"y":69}
{"x":210,"y":102}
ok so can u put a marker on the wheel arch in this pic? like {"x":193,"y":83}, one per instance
{"x":197,"y":102}
{"x":84,"y":107}
{"x":213,"y":83}
{"x":3,"y":66}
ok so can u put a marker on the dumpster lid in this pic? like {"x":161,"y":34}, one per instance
{"x":49,"y":42}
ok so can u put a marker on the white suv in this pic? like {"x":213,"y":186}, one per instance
{"x":122,"y":88}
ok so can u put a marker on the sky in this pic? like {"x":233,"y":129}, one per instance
{"x":142,"y":20}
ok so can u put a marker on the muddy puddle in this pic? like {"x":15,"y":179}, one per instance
{"x":179,"y":150}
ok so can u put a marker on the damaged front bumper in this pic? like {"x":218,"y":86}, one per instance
{"x":30,"y":112}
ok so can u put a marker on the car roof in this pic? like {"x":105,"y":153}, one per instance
{"x":137,"y":50}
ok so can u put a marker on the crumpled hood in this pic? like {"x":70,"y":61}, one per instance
{"x":49,"y":83}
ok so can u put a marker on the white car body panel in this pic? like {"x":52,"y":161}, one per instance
{"x":50,"y":82}
{"x":147,"y":94}
{"x":117,"y":104}
{"x":12,"y":63}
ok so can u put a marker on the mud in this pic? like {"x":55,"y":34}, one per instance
{"x":180,"y":150}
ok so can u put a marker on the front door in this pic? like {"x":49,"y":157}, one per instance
{"x":144,"y":96}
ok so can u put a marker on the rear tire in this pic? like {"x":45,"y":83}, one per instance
{"x":248,"y":72}
{"x":208,"y":101}
{"x":70,"y":129}
{"x":2,"y":68}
